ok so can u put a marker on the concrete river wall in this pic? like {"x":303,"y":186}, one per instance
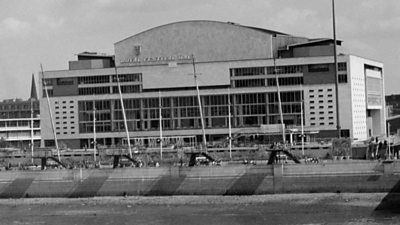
{"x":363,"y":176}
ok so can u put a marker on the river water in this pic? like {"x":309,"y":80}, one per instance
{"x":263,"y":209}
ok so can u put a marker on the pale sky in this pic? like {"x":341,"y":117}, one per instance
{"x":51,"y":32}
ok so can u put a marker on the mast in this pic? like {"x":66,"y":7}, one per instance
{"x":336,"y":71}
{"x":199,"y":102}
{"x":32,"y":97}
{"x":32,"y":142}
{"x":94,"y":132}
{"x":302,"y":120}
{"x":279,"y":102}
{"x":123,"y":113}
{"x":160,"y":112}
{"x":389,"y":153}
{"x":229,"y":123}
{"x":51,"y":114}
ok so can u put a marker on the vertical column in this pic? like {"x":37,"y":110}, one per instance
{"x":235,"y":113}
{"x":278,"y":178}
{"x":141,"y":114}
{"x":171,"y":117}
{"x":267,"y":109}
{"x":179,"y":114}
{"x":112,"y":111}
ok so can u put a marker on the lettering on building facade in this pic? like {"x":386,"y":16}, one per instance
{"x":159,"y":59}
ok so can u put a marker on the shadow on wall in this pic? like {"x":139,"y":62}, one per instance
{"x":391,"y":202}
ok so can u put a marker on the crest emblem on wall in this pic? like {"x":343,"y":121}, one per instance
{"x":136,"y":50}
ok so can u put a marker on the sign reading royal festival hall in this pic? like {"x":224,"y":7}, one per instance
{"x":155,"y":59}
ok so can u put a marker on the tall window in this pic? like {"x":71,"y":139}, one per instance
{"x":247,"y":71}
{"x":342,"y":78}
{"x":318,"y":68}
{"x":342,"y":66}
{"x":65,"y":81}
{"x":102,"y":112}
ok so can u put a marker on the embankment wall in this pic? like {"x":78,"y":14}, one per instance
{"x":368,"y":176}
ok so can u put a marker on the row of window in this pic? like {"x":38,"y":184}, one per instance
{"x":246,"y":110}
{"x":26,"y":105}
{"x":322,"y":118}
{"x":283,"y":81}
{"x":321,"y":101}
{"x":106,"y":90}
{"x":322,"y":124}
{"x":134,"y":77}
{"x":253,"y":71}
{"x":292,"y":96}
{"x":64,"y":117}
{"x":65,"y":81}
{"x":18,"y":114}
{"x":285,"y":69}
{"x":291,"y":69}
{"x":15,"y":123}
{"x":321,"y":96}
{"x":65,"y":132}
{"x":321,"y":112}
{"x":321,"y":107}
{"x":320,"y":90}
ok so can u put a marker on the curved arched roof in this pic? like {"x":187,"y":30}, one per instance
{"x":207,"y":21}
{"x":207,"y":40}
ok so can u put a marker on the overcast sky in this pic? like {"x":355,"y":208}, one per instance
{"x":51,"y":32}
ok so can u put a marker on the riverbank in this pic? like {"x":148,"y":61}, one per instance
{"x":321,"y":208}
{"x":361,"y":199}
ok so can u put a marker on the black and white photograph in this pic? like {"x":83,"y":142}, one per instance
{"x":216,"y":112}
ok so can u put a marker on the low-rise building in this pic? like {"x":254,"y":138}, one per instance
{"x":20,"y":121}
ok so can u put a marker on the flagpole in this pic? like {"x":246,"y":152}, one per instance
{"x":200,"y":106}
{"x":229,"y":123}
{"x":336,"y":71}
{"x":279,"y":104}
{"x":160,"y":112}
{"x":51,"y":115}
{"x":94,"y":132}
{"x":32,"y":142}
{"x":389,"y":153}
{"x":302,"y":120}
{"x":123,"y":113}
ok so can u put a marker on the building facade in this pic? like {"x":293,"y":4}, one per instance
{"x":237,"y":69}
{"x":20,"y":121}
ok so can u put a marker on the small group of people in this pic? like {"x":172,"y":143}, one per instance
{"x":150,"y":163}
{"x":311,"y":160}
{"x":377,"y":149}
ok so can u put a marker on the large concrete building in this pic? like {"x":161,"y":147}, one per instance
{"x":235,"y":65}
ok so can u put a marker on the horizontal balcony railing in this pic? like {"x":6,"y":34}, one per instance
{"x":4,"y":129}
{"x":21,"y":138}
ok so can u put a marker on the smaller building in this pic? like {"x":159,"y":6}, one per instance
{"x":393,"y":125}
{"x":393,"y":104}
{"x":20,"y":121}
